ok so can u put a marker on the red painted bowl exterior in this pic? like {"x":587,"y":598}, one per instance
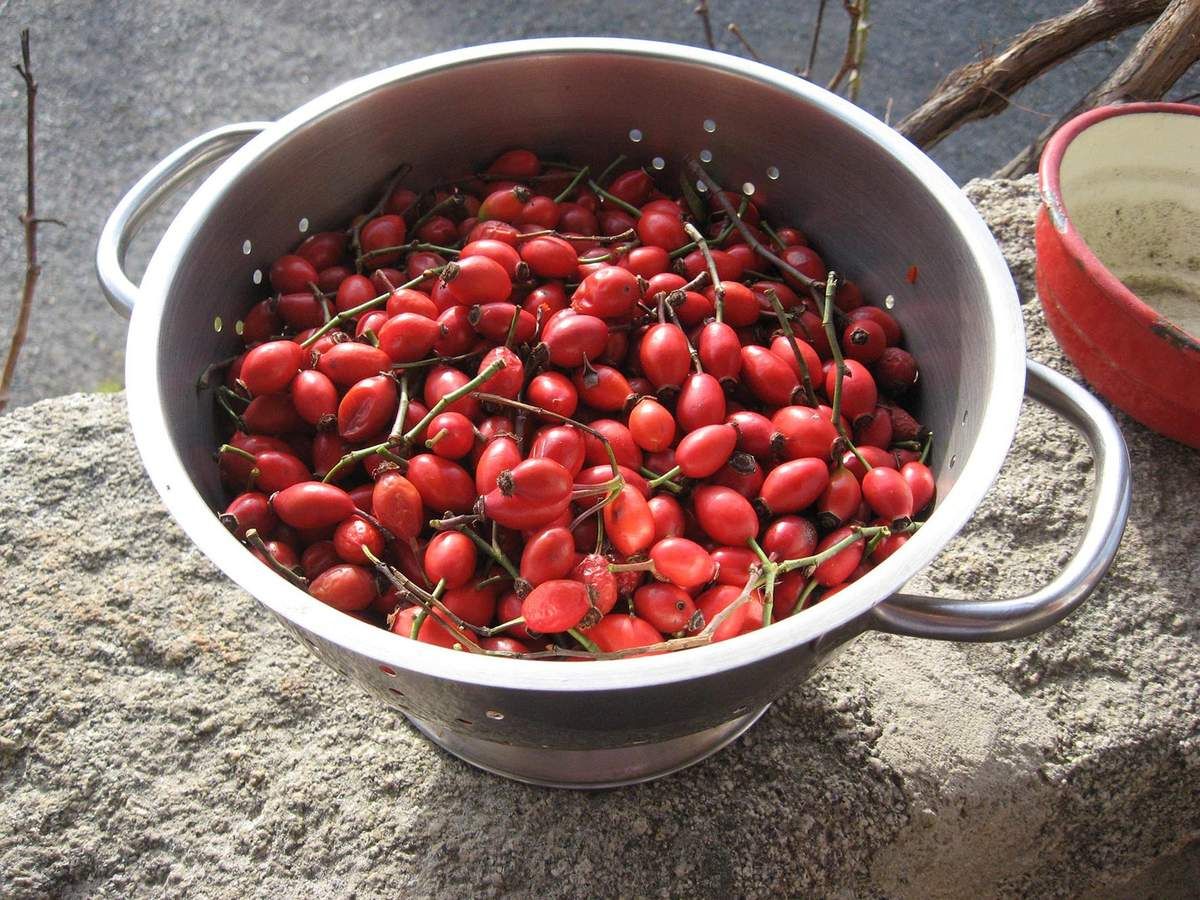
{"x":1128,"y":352}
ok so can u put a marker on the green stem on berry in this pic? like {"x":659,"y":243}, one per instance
{"x":452,"y":397}
{"x":223,"y":402}
{"x":435,"y":361}
{"x":670,"y":308}
{"x":666,"y":476}
{"x":511,"y":334}
{"x":566,"y":192}
{"x":839,"y":366}
{"x":602,"y":178}
{"x":429,"y":602}
{"x":720,"y":239}
{"x":407,"y":248}
{"x":397,"y":429}
{"x":586,"y":642}
{"x":595,"y":509}
{"x":802,"y":600}
{"x":454,"y":201}
{"x":769,"y":597}
{"x":566,"y":420}
{"x":494,"y":552}
{"x":394,"y":179}
{"x":322,"y":301}
{"x":925,"y":450}
{"x":668,"y":484}
{"x":418,"y":621}
{"x":805,"y":376}
{"x":455,"y":521}
{"x":711,"y":264}
{"x":615,"y":201}
{"x":599,"y":534}
{"x":772,"y":234}
{"x":668,"y":646}
{"x":751,"y":238}
{"x":760,"y":553}
{"x":254,"y":539}
{"x":356,"y":456}
{"x":346,"y":315}
{"x":237,"y":451}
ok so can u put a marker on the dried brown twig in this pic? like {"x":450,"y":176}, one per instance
{"x":706,"y":20}
{"x":30,"y":221}
{"x":816,"y":37}
{"x":736,"y":31}
{"x":856,"y":45}
{"x":981,"y":89}
{"x":1168,"y":49}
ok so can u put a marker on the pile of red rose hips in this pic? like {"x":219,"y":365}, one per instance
{"x":542,"y":414}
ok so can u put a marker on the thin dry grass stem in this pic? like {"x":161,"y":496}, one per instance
{"x":736,"y":31}
{"x":30,"y":222}
{"x":706,"y":20}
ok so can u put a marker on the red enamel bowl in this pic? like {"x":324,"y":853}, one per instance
{"x":1118,"y":257}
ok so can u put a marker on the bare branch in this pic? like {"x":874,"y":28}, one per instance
{"x":30,"y":220}
{"x":981,"y":89}
{"x":806,"y":72}
{"x":706,"y":20}
{"x":854,"y":11}
{"x":1166,"y":51}
{"x":861,"y":29}
{"x":736,"y":31}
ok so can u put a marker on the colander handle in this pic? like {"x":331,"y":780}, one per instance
{"x":144,"y":197}
{"x":999,"y":620}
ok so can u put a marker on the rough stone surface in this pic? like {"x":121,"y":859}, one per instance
{"x":159,"y":734}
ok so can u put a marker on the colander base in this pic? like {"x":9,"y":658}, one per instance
{"x":588,"y":769}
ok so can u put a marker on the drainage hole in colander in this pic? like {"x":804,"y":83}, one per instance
{"x":635,"y":135}
{"x":396,"y":692}
{"x":659,"y":163}
{"x":495,"y":714}
{"x":239,"y":326}
{"x":464,"y":721}
{"x":247,"y":247}
{"x":710,"y":126}
{"x":953,"y":460}
{"x":217,"y":324}
{"x":748,"y":188}
{"x":741,"y":710}
{"x":303,"y":225}
{"x":964,"y":418}
{"x":889,"y":302}
{"x":388,"y":671}
{"x":773,"y":173}
{"x":706,"y":156}
{"x":701,"y":186}
{"x":256,"y":276}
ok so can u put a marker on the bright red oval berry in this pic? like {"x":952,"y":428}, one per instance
{"x":555,"y":606}
{"x":682,"y":562}
{"x":345,"y":587}
{"x":450,"y":556}
{"x":312,"y":505}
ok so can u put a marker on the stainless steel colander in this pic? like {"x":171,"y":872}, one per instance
{"x":877,"y":206}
